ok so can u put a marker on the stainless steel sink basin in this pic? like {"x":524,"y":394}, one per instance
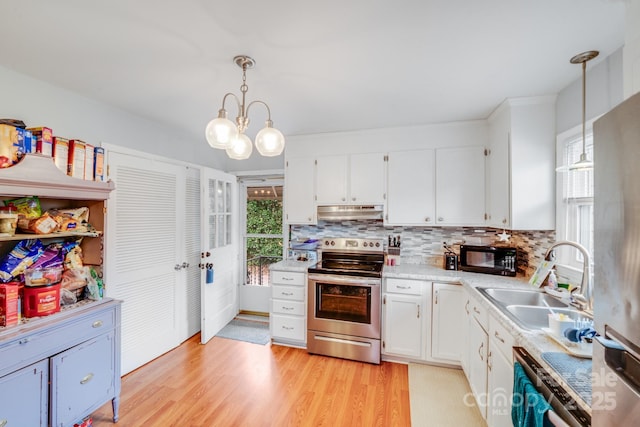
{"x":531,"y":317}
{"x":506,"y":296}
{"x":526,"y":307}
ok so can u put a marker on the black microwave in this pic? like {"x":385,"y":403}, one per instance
{"x":489,"y":259}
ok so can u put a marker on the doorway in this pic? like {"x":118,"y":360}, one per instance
{"x":262,"y":239}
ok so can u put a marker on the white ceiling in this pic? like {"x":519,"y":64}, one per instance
{"x":321,"y":66}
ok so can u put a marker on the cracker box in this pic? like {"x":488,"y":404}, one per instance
{"x":77,"y":152}
{"x":89,"y":159}
{"x":44,"y":140}
{"x":98,"y":164}
{"x":9,"y":304}
{"x":61,"y":153}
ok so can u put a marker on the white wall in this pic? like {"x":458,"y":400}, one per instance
{"x":631,"y":50}
{"x":71,"y":115}
{"x":604,"y":91}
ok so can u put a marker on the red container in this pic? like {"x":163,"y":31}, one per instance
{"x":41,"y":300}
{"x":9,"y":304}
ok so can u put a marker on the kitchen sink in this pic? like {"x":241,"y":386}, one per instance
{"x":526,"y":307}
{"x":505,"y":296}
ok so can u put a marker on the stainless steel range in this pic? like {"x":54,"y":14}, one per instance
{"x":344,"y":299}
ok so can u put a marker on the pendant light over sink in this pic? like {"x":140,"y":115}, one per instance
{"x":584,"y":164}
{"x":222,"y":133}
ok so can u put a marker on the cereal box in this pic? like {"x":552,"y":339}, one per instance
{"x":61,"y":153}
{"x":89,"y":159}
{"x":44,"y":140}
{"x":98,"y":164}
{"x":9,"y":304}
{"x":9,"y":146}
{"x":77,"y":152}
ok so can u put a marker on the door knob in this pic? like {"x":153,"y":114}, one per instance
{"x":177,"y":267}
{"x":185,"y":265}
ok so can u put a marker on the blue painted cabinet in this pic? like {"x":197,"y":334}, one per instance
{"x":24,"y":396}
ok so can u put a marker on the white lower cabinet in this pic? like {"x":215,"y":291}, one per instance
{"x":288,"y":316}
{"x":405,"y":313}
{"x":500,"y":375}
{"x":447,"y":312}
{"x":478,"y":348}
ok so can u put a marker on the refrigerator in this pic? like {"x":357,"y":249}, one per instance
{"x":616,"y":353}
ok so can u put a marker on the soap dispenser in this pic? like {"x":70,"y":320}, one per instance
{"x":552,"y":282}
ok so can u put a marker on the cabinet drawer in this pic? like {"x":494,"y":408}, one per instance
{"x":479,"y":312}
{"x":501,"y":338}
{"x":404,"y":286}
{"x":288,"y":307}
{"x":38,"y":345}
{"x":293,"y":293}
{"x":288,"y":327}
{"x":288,"y":278}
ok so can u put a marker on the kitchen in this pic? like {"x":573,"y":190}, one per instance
{"x":419,"y":241}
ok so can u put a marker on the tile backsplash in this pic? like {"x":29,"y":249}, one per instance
{"x":424,"y":245}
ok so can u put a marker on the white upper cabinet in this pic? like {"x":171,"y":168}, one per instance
{"x":300,"y":206}
{"x":521,"y":172}
{"x":460,"y":186}
{"x":411,"y":188}
{"x":350,"y":179}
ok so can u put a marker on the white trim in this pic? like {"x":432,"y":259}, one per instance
{"x":148,"y":156}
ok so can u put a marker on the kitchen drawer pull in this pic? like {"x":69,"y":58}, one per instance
{"x":287,"y":328}
{"x":480,"y":351}
{"x":489,"y":360}
{"x":86,"y":378}
{"x":497,"y":335}
{"x":428,"y":219}
{"x":466,"y":306}
{"x":287,"y":278}
{"x":24,"y":340}
{"x":418,"y":311}
{"x":287,"y":308}
{"x":475,"y":310}
{"x":96,"y":324}
{"x":287,"y":294}
{"x":403,"y":287}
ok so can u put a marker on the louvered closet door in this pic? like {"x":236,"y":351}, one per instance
{"x":143,"y":247}
{"x":220,"y":242}
{"x":192,"y":249}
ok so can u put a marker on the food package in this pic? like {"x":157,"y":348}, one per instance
{"x":72,"y":219}
{"x":43,"y":225}
{"x":77,"y":152}
{"x":44,"y":140}
{"x":98,"y":164}
{"x":9,"y":146}
{"x":9,"y":304}
{"x":73,"y":256}
{"x":75,"y":278}
{"x":42,"y":276}
{"x":89,"y":159}
{"x":28,"y":207}
{"x":21,"y":257}
{"x":52,"y":257}
{"x":61,"y":153}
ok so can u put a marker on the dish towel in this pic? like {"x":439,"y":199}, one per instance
{"x":528,"y":406}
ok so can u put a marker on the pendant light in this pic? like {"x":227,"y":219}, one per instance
{"x":223,"y":134}
{"x":584,"y":164}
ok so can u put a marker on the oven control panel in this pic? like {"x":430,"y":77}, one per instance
{"x":349,"y":244}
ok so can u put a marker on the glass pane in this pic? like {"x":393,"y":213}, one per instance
{"x":227,"y":226}
{"x":228,"y":197}
{"x":220,"y":197}
{"x":339,"y":302}
{"x":222,"y":232}
{"x":212,"y":230}
{"x":261,"y":252}
{"x":212,"y":195}
{"x":585,"y":228}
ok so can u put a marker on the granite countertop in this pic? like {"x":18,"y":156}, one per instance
{"x":535,"y":342}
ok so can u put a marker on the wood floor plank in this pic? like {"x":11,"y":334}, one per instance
{"x":233,"y":383}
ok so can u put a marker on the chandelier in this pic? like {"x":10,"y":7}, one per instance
{"x":222,"y":133}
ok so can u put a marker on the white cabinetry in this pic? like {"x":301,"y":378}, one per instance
{"x":299,"y":191}
{"x":521,"y":172}
{"x":288,"y":321}
{"x":478,"y":344}
{"x":447,"y":321}
{"x":460,"y":188}
{"x":500,"y":375}
{"x":411,"y":188}
{"x":350,"y":179}
{"x":405,"y":318}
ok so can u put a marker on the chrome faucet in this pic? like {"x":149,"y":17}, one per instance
{"x":584,"y":299}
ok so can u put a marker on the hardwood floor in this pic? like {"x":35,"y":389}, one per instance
{"x":233,"y":383}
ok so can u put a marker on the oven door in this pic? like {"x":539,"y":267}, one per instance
{"x":344,"y":305}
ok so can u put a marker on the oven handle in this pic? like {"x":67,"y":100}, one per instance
{"x":344,"y":280}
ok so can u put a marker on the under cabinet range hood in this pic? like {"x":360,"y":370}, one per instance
{"x":350,"y":212}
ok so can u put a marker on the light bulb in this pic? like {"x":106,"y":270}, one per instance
{"x":270,"y":141}
{"x":220,"y":132}
{"x":241,"y":147}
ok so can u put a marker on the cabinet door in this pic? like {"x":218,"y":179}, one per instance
{"x":478,"y":342}
{"x":82,"y":379}
{"x":500,"y":388}
{"x":411,"y":188}
{"x":498,"y":162}
{"x":299,"y":191}
{"x":331,"y":180}
{"x":366,"y":178}
{"x":24,"y":396}
{"x":403,"y":325}
{"x":466,"y":313}
{"x":460,"y":186}
{"x":448,"y":317}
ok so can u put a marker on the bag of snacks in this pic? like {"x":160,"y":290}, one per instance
{"x":27,"y":207}
{"x":22,"y":256}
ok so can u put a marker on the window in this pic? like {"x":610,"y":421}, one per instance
{"x":263,"y":235}
{"x":575,"y":201}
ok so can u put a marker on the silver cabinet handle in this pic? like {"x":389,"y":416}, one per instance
{"x":287,"y":294}
{"x":497,"y":335}
{"x":86,"y":378}
{"x":466,"y":307}
{"x":489,"y":360}
{"x":403,"y":287}
{"x":475,"y":310}
{"x":24,"y":340}
{"x":287,"y":278}
{"x":287,"y":308}
{"x":96,"y":324}
{"x":353,"y":199}
{"x":480,"y":351}
{"x":418,"y":311}
{"x":287,"y":328}
{"x":427,"y":219}
{"x":436,"y":298}
{"x":440,"y":219}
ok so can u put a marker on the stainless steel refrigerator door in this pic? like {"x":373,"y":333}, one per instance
{"x":617,"y":220}
{"x":616,"y":366}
